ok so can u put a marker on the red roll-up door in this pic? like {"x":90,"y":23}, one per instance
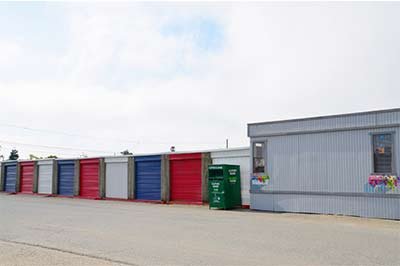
{"x":185,"y":177}
{"x":26,"y":174}
{"x":89,"y":178}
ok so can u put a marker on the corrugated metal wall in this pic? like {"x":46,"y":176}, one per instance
{"x":374,"y":207}
{"x":239,"y":157}
{"x":325,"y":162}
{"x":327,"y":171}
{"x":116,"y":177}
{"x":45,"y":176}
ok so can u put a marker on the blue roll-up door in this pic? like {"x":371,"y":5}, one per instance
{"x":65,"y":175}
{"x":148,"y":177}
{"x":10,"y":176}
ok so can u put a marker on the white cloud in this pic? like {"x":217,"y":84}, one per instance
{"x":10,"y":52}
{"x":121,"y":78}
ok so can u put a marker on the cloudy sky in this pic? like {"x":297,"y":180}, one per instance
{"x":100,"y":78}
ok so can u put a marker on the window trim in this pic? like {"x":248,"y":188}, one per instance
{"x":264,"y":142}
{"x":393,"y":146}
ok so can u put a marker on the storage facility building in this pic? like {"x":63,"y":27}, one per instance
{"x":340,"y":164}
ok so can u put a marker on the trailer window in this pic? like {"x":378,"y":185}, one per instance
{"x":258,"y":157}
{"x":383,"y":153}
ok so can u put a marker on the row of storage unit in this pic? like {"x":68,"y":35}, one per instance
{"x":37,"y":177}
{"x":175,"y":177}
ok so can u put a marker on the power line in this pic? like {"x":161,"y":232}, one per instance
{"x":48,"y":152}
{"x":54,"y":147}
{"x":64,"y":133}
{"x":102,"y":138}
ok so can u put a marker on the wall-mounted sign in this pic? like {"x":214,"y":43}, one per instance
{"x":259,"y":182}
{"x":384,"y":182}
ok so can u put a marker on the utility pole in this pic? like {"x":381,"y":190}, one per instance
{"x":227,"y":143}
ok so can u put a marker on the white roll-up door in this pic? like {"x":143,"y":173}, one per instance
{"x":45,"y":177}
{"x":117,"y":178}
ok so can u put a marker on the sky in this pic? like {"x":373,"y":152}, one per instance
{"x":98,"y":78}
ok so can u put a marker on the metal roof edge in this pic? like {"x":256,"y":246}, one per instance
{"x":25,"y":160}
{"x":193,"y":151}
{"x":41,"y":160}
{"x":324,"y":116}
{"x":213,"y":150}
{"x":9,"y":161}
{"x":149,"y":154}
{"x":134,"y":155}
{"x":67,"y":159}
{"x":80,"y":158}
{"x":117,"y":156}
{"x":233,"y":150}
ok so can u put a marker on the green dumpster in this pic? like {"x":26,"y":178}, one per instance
{"x":224,"y":186}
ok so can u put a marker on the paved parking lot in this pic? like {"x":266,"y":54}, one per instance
{"x":36,"y":230}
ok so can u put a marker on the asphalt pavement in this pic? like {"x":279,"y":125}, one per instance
{"x":37,"y":230}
